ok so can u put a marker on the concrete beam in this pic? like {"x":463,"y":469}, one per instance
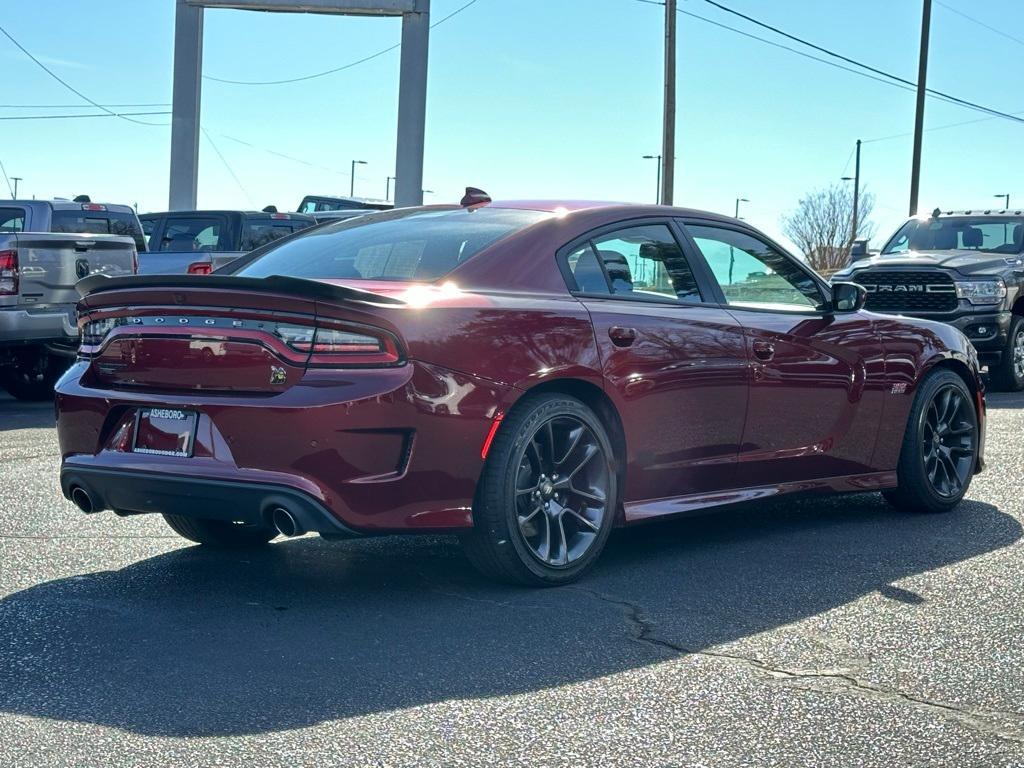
{"x":186,"y":92}
{"x":412,"y":108}
{"x":346,"y":7}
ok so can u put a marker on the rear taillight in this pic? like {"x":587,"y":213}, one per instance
{"x":8,"y":273}
{"x":200,"y":268}
{"x":331,"y":347}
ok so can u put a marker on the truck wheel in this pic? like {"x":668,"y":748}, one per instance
{"x":1009,"y":374}
{"x":547,"y":496}
{"x":220,"y":533}
{"x":32,"y":377}
{"x":940,"y":446}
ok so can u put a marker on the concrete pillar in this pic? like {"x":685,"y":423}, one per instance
{"x":188,"y":69}
{"x":412,"y":107}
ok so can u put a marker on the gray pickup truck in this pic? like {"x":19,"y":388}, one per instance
{"x":198,"y":242}
{"x":46,"y":247}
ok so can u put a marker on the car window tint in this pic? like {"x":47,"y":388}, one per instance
{"x":423,"y":245}
{"x":586,"y":270}
{"x":12,"y":220}
{"x":646,"y":261}
{"x":198,"y":234}
{"x":99,"y":223}
{"x":753,"y":274}
{"x":259,"y":231}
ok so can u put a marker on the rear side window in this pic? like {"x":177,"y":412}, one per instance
{"x":262,"y":230}
{"x":201,"y":233}
{"x":12,"y":220}
{"x":99,"y":223}
{"x":418,"y":246}
{"x":642,"y":262}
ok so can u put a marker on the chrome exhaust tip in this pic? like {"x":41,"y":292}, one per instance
{"x":81,"y":499}
{"x":285,"y":522}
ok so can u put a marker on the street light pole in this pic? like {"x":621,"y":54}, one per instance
{"x":739,"y":200}
{"x":922,"y":85}
{"x":16,"y":179}
{"x":668,"y":136}
{"x":856,"y":195}
{"x":657,"y":191}
{"x":352,"y":180}
{"x":387,"y":189}
{"x":1007,"y":197}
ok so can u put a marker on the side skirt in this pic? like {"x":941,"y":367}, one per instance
{"x":637,"y":511}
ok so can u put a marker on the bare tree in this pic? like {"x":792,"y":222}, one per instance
{"x":822,"y":225}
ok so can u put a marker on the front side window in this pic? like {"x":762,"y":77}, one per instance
{"x":402,"y":246}
{"x":753,"y":274}
{"x":1004,"y":234}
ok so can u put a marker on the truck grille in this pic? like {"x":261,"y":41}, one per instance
{"x":908,"y":291}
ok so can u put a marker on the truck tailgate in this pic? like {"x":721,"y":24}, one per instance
{"x":49,"y":265}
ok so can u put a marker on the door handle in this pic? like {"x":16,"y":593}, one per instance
{"x":764,"y":350}
{"x":622,"y":337}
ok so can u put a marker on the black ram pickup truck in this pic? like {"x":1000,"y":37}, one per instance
{"x":964,"y":268}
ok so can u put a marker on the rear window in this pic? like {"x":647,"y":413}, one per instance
{"x":99,"y":223}
{"x":419,"y":246}
{"x":200,"y":233}
{"x":12,"y":220}
{"x":262,"y":230}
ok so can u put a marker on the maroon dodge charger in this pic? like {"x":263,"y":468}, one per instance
{"x":527,"y":375}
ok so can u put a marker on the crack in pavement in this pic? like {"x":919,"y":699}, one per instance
{"x":1001,"y":724}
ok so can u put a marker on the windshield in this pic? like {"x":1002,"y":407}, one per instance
{"x":419,"y":246}
{"x":990,"y":234}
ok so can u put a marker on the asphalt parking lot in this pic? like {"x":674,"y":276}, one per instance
{"x":800,"y":632}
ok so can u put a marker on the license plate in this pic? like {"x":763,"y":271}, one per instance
{"x":165,"y":431}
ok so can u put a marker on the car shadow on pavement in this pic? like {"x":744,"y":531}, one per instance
{"x":15,"y":414}
{"x":201,"y":643}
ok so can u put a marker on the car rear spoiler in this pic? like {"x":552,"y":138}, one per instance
{"x":295,"y":286}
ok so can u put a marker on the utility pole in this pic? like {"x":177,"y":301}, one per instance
{"x":922,"y":85}
{"x":856,"y":194}
{"x":16,"y":179}
{"x":668,"y":136}
{"x":657,"y":187}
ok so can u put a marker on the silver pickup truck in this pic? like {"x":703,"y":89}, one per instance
{"x":198,"y":242}
{"x":38,"y":273}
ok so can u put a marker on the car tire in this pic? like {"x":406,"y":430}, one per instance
{"x":1008,"y":376}
{"x":32,"y":378}
{"x":522,"y":501}
{"x":220,"y":533}
{"x":940,"y":446}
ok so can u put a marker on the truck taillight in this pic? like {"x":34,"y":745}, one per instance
{"x":200,"y":268}
{"x":331,"y":347}
{"x":8,"y":273}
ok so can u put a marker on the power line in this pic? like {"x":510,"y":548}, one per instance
{"x":228,"y":166}
{"x":933,"y":128}
{"x":326,"y":72}
{"x":79,"y":116}
{"x":9,"y":187}
{"x":940,"y":94}
{"x":78,"y":106}
{"x":67,"y":85}
{"x":998,"y":31}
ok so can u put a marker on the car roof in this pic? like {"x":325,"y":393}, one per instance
{"x":219,"y":212}
{"x":62,"y":205}
{"x":628,"y":209}
{"x":975,"y":212}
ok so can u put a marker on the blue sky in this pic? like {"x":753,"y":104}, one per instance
{"x":526,"y":98}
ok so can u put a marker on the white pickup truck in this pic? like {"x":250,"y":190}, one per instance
{"x":46,"y":247}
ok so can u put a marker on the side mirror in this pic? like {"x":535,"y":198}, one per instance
{"x":848,"y":297}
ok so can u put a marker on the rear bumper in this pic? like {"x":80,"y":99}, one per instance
{"x":380,"y":450}
{"x":128,"y":492}
{"x":53,"y":324}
